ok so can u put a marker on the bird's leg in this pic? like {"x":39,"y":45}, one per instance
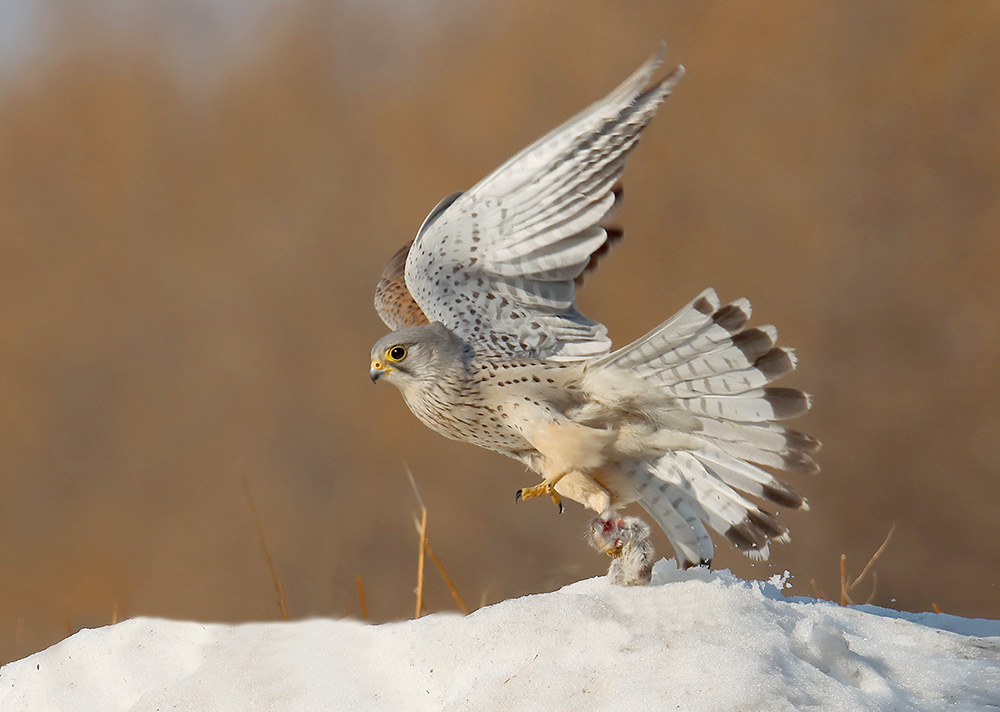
{"x":627,"y":541}
{"x":547,"y":487}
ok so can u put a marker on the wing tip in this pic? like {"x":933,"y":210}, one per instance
{"x":668,"y":83}
{"x":734,"y":316}
{"x":707,"y":302}
{"x":641,"y":78}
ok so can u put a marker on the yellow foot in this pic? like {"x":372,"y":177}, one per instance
{"x":548,"y":487}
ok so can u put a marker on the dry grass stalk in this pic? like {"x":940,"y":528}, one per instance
{"x":420,"y":562}
{"x":871,"y":596}
{"x":361,"y":597}
{"x":817,"y":592}
{"x":846,"y":588}
{"x":423,"y":541}
{"x":446,"y":577}
{"x":444,"y":574}
{"x":425,"y":547}
{"x":279,"y":589}
{"x":844,"y":598}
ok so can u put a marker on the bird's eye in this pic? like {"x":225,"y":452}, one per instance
{"x":396,"y":353}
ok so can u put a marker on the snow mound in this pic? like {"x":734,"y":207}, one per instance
{"x":695,"y":640}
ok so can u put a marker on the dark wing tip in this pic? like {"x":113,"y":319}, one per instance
{"x":775,"y":363}
{"x":752,"y":534}
{"x":754,"y":343}
{"x":703,"y":305}
{"x":783,"y":495}
{"x":731,"y":317}
{"x":786,"y":402}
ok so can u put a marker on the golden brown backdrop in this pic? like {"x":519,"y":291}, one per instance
{"x":189,"y":243}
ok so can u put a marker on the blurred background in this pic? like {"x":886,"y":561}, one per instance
{"x":197,"y":198}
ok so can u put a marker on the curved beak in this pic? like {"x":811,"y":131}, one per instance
{"x":377,"y":370}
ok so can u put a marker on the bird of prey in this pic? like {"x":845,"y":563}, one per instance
{"x":489,"y":348}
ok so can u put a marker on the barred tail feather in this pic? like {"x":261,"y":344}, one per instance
{"x":757,"y":406}
{"x":676,"y":518}
{"x":747,"y":526}
{"x":768,"y":444}
{"x":676,"y":330}
{"x":736,"y":352}
{"x":749,"y":478}
{"x":769,"y":367}
{"x":707,"y":364}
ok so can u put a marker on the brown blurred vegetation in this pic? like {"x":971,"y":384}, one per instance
{"x":186,"y":270}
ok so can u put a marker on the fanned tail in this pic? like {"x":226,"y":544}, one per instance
{"x":707,"y":365}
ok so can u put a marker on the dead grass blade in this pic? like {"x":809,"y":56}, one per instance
{"x":871,"y":597}
{"x":425,"y":548}
{"x":423,"y":541}
{"x":447,"y":578}
{"x":278,"y":588}
{"x":871,"y":561}
{"x":420,"y":562}
{"x":844,"y":598}
{"x":846,"y":588}
{"x":361,"y":597}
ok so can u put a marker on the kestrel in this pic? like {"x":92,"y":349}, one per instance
{"x":488,"y":348}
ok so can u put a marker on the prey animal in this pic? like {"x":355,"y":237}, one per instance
{"x":489,"y":348}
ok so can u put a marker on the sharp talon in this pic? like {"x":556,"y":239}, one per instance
{"x":517,"y":496}
{"x":532,"y":492}
{"x":561,"y":507}
{"x":545,"y":487}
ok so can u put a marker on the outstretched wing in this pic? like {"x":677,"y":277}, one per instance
{"x":499,"y":266}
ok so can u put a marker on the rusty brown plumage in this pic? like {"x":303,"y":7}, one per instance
{"x":614,"y":231}
{"x":393,"y":301}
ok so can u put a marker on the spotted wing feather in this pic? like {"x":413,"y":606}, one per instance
{"x":500,"y":265}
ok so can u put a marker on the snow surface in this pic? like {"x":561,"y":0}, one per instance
{"x":695,"y":640}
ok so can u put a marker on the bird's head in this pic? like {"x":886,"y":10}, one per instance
{"x":416,"y":354}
